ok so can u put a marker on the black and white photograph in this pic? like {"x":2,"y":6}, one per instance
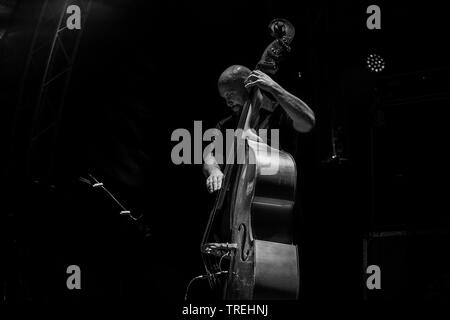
{"x":224,"y":159}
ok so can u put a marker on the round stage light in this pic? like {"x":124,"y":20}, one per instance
{"x":375,"y":62}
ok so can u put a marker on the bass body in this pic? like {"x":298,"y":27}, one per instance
{"x":265,"y":263}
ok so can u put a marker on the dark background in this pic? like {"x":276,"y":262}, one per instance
{"x":146,"y":68}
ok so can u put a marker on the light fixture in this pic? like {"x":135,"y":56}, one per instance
{"x":375,"y":62}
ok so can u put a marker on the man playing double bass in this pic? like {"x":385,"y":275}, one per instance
{"x":279,"y":110}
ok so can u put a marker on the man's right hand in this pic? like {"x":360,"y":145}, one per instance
{"x":214,"y":181}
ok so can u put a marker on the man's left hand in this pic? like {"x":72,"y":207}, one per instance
{"x":261,"y":80}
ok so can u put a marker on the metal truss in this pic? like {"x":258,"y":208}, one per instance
{"x":46,"y":80}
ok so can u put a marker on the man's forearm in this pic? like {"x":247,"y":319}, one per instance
{"x":210,"y":165}
{"x":297,"y":110}
{"x":209,"y":168}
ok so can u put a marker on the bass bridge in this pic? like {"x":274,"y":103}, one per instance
{"x":219,"y":249}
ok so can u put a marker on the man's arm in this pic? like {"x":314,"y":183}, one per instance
{"x":301,"y":115}
{"x":211,"y":168}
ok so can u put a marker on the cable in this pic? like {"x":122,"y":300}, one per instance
{"x":189,"y":285}
{"x":124,"y":211}
{"x":221,"y":258}
{"x":204,"y":276}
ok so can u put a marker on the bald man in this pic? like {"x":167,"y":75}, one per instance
{"x":279,"y":110}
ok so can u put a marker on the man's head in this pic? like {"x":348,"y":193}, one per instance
{"x":231,"y":86}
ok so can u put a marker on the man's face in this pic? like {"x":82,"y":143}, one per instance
{"x":234,"y":98}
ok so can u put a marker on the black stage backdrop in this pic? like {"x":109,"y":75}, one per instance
{"x":146,"y":68}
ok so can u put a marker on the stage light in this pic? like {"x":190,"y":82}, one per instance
{"x":375,"y":62}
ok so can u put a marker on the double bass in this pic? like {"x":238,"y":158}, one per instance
{"x":256,"y":242}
